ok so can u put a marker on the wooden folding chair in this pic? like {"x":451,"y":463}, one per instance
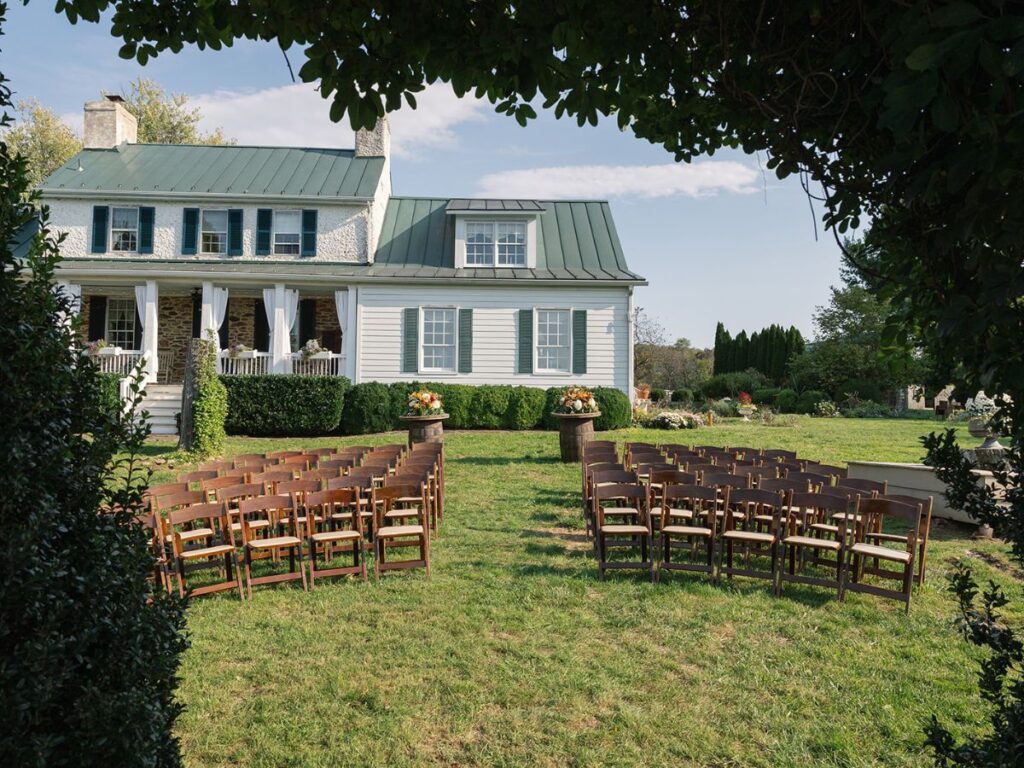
{"x":601,"y":477}
{"x":216,"y":465}
{"x":339,"y":464}
{"x":798,"y":539}
{"x":877,"y":537}
{"x":268,"y":511}
{"x":817,"y":481}
{"x":336,"y":509}
{"x":216,"y":552}
{"x":871,"y":515}
{"x":825,"y":469}
{"x":864,"y":487}
{"x":193,"y":479}
{"x":688,"y":517}
{"x":300,"y":488}
{"x":232,"y":495}
{"x":629,"y":502}
{"x":747,"y":504}
{"x":270,"y":479}
{"x":385,"y":502}
{"x":779,"y":454}
{"x":154,"y":526}
{"x":431,"y":463}
{"x":165,"y":489}
{"x":214,"y":484}
{"x":657,"y":480}
{"x":277,"y":456}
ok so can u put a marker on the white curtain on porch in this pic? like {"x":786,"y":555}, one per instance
{"x":280,"y":304}
{"x":147,"y":303}
{"x":214,"y":309}
{"x":341,"y":305}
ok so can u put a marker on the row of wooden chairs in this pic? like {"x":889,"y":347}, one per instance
{"x":700,"y":521}
{"x":388,"y":496}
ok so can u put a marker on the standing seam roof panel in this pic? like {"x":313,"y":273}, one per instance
{"x":217,"y":167}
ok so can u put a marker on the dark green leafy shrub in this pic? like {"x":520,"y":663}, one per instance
{"x":269,"y":406}
{"x":731,"y":384}
{"x":368,"y":409}
{"x":616,"y":410}
{"x":866,"y":409}
{"x":525,"y":408}
{"x":89,"y":646}
{"x":110,"y":391}
{"x":764,"y":396}
{"x":399,"y":392}
{"x":786,"y":401}
{"x":457,"y":400}
{"x":682,"y":395}
{"x":552,"y":396}
{"x":489,"y":405}
{"x":808,"y":401}
{"x":657,"y":395}
{"x":725,"y":407}
{"x":210,"y":404}
{"x":862,"y":389}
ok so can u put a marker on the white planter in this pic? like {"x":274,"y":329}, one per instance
{"x":319,"y":356}
{"x":249,"y":354}
{"x":108,"y":351}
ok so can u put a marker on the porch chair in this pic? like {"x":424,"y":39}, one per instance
{"x":872,"y":513}
{"x":388,"y":536}
{"x":687,"y":518}
{"x":266,"y":511}
{"x":629,"y":502}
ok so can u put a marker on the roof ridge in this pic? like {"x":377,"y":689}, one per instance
{"x":124,"y":144}
{"x":518,"y":199}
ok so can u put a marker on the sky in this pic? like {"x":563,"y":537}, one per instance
{"x":718,"y":239}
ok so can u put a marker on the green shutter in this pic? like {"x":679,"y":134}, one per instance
{"x":579,"y":341}
{"x":147,"y":214}
{"x":410,"y":340}
{"x":264,"y":222}
{"x":309,"y":233}
{"x":100,"y":217}
{"x":189,"y":231}
{"x":234,"y":232}
{"x":465,"y":341}
{"x":525,"y":341}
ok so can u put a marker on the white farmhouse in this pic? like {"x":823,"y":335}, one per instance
{"x":270,"y":247}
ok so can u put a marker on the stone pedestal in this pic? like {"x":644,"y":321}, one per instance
{"x":425,"y":429}
{"x":575,"y":430}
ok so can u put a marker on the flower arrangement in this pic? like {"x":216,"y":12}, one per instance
{"x":311,"y":348}
{"x":746,"y":402}
{"x":981,"y":407}
{"x":424,"y":403}
{"x":676,"y":420}
{"x":92,"y":347}
{"x":576,"y":399}
{"x":236,"y":349}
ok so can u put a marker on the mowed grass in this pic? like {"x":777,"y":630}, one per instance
{"x":514,"y":654}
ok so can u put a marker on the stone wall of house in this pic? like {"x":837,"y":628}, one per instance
{"x":83,"y":318}
{"x":174,"y":332}
{"x":326,"y":320}
{"x":241,"y":319}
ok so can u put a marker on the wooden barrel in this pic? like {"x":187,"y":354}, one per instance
{"x":425,"y":429}
{"x":575,"y":430}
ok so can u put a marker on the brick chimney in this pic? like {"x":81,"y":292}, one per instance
{"x":375,"y":142}
{"x":108,"y":123}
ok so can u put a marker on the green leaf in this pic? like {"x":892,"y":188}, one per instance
{"x":924,"y":57}
{"x":955,"y":15}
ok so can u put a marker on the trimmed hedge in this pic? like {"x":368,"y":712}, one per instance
{"x":764,"y":396}
{"x":731,"y":384}
{"x":785,"y":400}
{"x":525,"y":408}
{"x":682,"y":395}
{"x":808,"y":400}
{"x":270,"y":406}
{"x":616,"y":410}
{"x":368,"y":408}
{"x":657,"y":395}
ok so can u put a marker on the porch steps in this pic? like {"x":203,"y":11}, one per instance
{"x":163,"y":401}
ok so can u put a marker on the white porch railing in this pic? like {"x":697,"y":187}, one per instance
{"x":120,"y":361}
{"x":323,"y":364}
{"x":245,"y":364}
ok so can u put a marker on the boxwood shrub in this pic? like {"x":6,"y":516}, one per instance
{"x":489,"y":405}
{"x":269,"y":406}
{"x":616,"y":410}
{"x":785,"y":400}
{"x":764,"y":396}
{"x":525,"y":408}
{"x":808,"y":400}
{"x":682,"y":395}
{"x":368,"y":408}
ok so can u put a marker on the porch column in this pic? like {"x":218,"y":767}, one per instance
{"x":147,"y":299}
{"x":349,"y":338}
{"x":211,"y":315}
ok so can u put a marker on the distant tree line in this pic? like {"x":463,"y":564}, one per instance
{"x":768,"y":350}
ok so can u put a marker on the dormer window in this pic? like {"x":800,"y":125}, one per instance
{"x":495,"y":243}
{"x":495,"y":234}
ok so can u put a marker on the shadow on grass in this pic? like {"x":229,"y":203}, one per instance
{"x":509,"y":460}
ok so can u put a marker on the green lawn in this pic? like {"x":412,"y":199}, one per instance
{"x":514,"y":654}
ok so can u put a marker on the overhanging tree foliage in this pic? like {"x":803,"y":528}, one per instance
{"x":907,"y":113}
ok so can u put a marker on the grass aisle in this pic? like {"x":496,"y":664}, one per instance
{"x":515,"y":655}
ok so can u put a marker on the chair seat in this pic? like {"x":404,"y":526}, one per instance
{"x":391,"y":531}
{"x":252,"y":524}
{"x":625,"y":530}
{"x":845,"y":516}
{"x":824,"y":527}
{"x":810,"y":541}
{"x":301,"y":520}
{"x":887,"y":537}
{"x":275,"y":541}
{"x":335,"y":535}
{"x":219,"y":549}
{"x":749,"y":536}
{"x":195,"y":533}
{"x":398,"y":514}
{"x":341,"y":515}
{"x":686,"y":530}
{"x":620,"y":511}
{"x":882,"y":553}
{"x":683,"y":514}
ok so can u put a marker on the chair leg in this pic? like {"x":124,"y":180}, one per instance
{"x":302,"y":566}
{"x":312,"y":561}
{"x":248,"y":571}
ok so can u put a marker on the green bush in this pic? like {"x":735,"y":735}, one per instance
{"x":864,"y":389}
{"x":269,"y":406}
{"x":552,"y":395}
{"x":210,"y":404}
{"x":110,"y":392}
{"x":808,"y":401}
{"x":616,"y":410}
{"x":657,"y":395}
{"x":489,"y":406}
{"x":764,"y":396}
{"x":731,"y":384}
{"x":682,"y":395}
{"x":786,"y":401}
{"x":458,"y":403}
{"x":869,"y":410}
{"x":725,"y":407}
{"x":368,"y":408}
{"x":525,"y":408}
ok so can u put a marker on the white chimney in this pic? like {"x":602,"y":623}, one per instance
{"x":108,"y":123}
{"x":375,"y":142}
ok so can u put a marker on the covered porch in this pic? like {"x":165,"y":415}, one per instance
{"x":260,"y":330}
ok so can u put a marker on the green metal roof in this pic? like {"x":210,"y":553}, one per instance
{"x":189,"y":170}
{"x":493,"y":206}
{"x":576,"y":240}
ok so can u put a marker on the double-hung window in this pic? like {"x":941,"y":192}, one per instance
{"x":120,"y":324}
{"x":214,"y":232}
{"x":124,"y":229}
{"x":554,"y":340}
{"x":495,"y":243}
{"x":287,"y":233}
{"x":438,"y":339}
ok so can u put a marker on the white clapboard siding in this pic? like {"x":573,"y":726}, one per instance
{"x":495,"y":340}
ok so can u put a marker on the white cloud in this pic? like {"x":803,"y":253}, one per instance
{"x":296,"y":115}
{"x":698,"y":179}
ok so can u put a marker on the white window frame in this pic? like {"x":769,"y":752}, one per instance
{"x":227,"y":227}
{"x":536,"y":342}
{"x":273,"y":232}
{"x":132,"y":316}
{"x":114,"y":229}
{"x":454,"y":370}
{"x":494,"y":220}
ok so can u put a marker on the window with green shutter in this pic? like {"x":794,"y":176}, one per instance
{"x":579,"y":341}
{"x":100,"y":217}
{"x":147,"y":217}
{"x":309,"y":233}
{"x":465,"y":341}
{"x":189,"y":231}
{"x":525,"y":341}
{"x":235,"y":232}
{"x":410,"y":339}
{"x":264,"y":223}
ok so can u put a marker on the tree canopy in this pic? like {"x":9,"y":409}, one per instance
{"x":42,"y":138}
{"x":167,"y":118}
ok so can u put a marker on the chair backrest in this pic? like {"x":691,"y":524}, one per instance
{"x":320,"y":473}
{"x":864,"y":486}
{"x":645,"y":456}
{"x":321,"y":451}
{"x":781,"y":485}
{"x":405,"y":474}
{"x":223,"y":481}
{"x":197,"y":476}
{"x":346,"y":463}
{"x":746,"y":453}
{"x":757,"y":473}
{"x":601,"y":444}
{"x":272,"y":476}
{"x":624,"y":494}
{"x":928,"y":502}
{"x":384,"y":499}
{"x":685,"y":457}
{"x":351,"y":450}
{"x":248,"y":457}
{"x":720,"y":457}
{"x":672,"y":477}
{"x":818,"y":481}
{"x":824,"y":469}
{"x":299,"y":487}
{"x":212,"y":513}
{"x":644,"y":469}
{"x":785,"y":466}
{"x":846,"y":494}
{"x":702,"y":449}
{"x":253,"y":465}
{"x":640,"y":446}
{"x":700,"y":469}
{"x":163,"y":489}
{"x":699,"y":499}
{"x":282,"y":454}
{"x":778,"y":453}
{"x":725,"y":479}
{"x":175,"y":500}
{"x":215,"y":466}
{"x":612,"y":477}
{"x":871,"y":514}
{"x":240,"y":491}
{"x":352,"y":480}
{"x":302,"y":461}
{"x":421,"y":460}
{"x":327,"y":502}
